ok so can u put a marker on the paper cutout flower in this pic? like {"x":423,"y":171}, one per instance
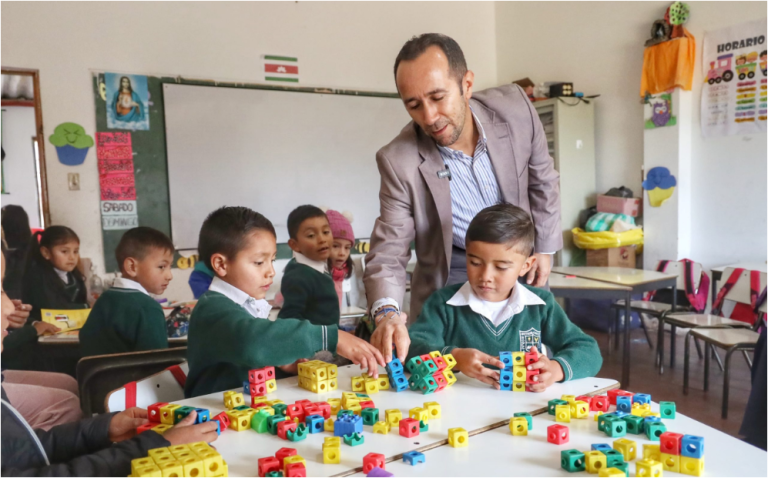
{"x":660,"y":185}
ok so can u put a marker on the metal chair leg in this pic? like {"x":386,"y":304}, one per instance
{"x":617,"y":330}
{"x":612,"y":323}
{"x":746,"y":357}
{"x":698,"y":347}
{"x":726,"y":379}
{"x":672,"y":342}
{"x":685,"y":362}
{"x":717,"y":358}
{"x":707,"y":347}
{"x":660,"y":346}
{"x":645,"y":329}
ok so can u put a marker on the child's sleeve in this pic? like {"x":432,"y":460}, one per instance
{"x":428,"y":332}
{"x":151,"y":332}
{"x":295,"y":292}
{"x":576,"y":351}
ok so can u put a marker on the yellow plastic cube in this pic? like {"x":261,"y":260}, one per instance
{"x":200,"y":446}
{"x":597,"y":414}
{"x":212,"y":461}
{"x":240,"y":421}
{"x":172,"y":468}
{"x":450,"y":362}
{"x":193,"y":466}
{"x":319,"y":372}
{"x":166,"y":413}
{"x":331,"y":455}
{"x":595,"y":461}
{"x":568,"y":398}
{"x":648,"y":468}
{"x":274,"y":402}
{"x":355,"y":408}
{"x":563,"y":413}
{"x":224,"y":470}
{"x":332,"y":441}
{"x":649,"y":413}
{"x":271,"y":385}
{"x":637,"y":411}
{"x":381,"y":428}
{"x":383,"y":382}
{"x":139,"y":463}
{"x":371,"y":385}
{"x":393,"y":417}
{"x":449,"y":376}
{"x":305,"y":383}
{"x":458,"y":437}
{"x":651,"y":452}
{"x":320,"y":386}
{"x":518,"y":386}
{"x":435,"y":354}
{"x":691,"y":466}
{"x":260,"y":399}
{"x":292,"y":459}
{"x":333,"y":384}
{"x":158,"y":452}
{"x":267,"y":409}
{"x":176,"y":449}
{"x":333,"y":371}
{"x":304,"y":368}
{"x":335,"y":404}
{"x":518,"y":373}
{"x":627,"y":447}
{"x":419,"y":414}
{"x":365,"y":375}
{"x":433,"y":409}
{"x":151,"y":470}
{"x":162,"y":428}
{"x":329,"y":424}
{"x":610,"y":472}
{"x":518,"y":426}
{"x":579,"y":409}
{"x":233,"y":400}
{"x":184,"y":455}
{"x":670,"y":462}
{"x":358,"y":384}
{"x":161,"y":460}
{"x":352,"y":402}
{"x":518,"y":358}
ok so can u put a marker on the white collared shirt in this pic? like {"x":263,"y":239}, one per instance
{"x":496,"y":312}
{"x":62,"y":275}
{"x":319,"y":266}
{"x":258,"y":308}
{"x":124,"y":283}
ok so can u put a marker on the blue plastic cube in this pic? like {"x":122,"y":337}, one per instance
{"x":505,"y":376}
{"x":414,"y":457}
{"x":218,"y":427}
{"x":246,"y":388}
{"x":619,"y":413}
{"x":505,"y":386}
{"x":692,"y":446}
{"x":602,"y":447}
{"x":347,"y":425}
{"x":395,"y":367}
{"x":506,"y":358}
{"x":652,"y":420}
{"x":203,"y":415}
{"x":398,"y":383}
{"x":641,"y":398}
{"x":624,"y":404}
{"x":315,"y":423}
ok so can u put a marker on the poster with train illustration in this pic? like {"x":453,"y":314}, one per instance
{"x":733,"y":98}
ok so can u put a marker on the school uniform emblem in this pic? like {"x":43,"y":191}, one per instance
{"x":530,"y":338}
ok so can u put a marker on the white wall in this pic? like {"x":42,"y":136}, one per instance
{"x":339,"y":44}
{"x":599,"y":47}
{"x":19,"y":169}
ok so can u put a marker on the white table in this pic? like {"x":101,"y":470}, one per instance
{"x":468,"y":404}
{"x":498,"y":453}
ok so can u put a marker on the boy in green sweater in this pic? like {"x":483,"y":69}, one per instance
{"x":125,"y":318}
{"x":307,"y":285}
{"x":229,"y":332}
{"x":493,"y":312}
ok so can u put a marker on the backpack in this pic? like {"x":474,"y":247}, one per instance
{"x":696,"y":300}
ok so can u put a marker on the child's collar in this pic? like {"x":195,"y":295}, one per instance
{"x":125,"y":283}
{"x":521,"y":296}
{"x":319,"y":266}
{"x":258,"y":308}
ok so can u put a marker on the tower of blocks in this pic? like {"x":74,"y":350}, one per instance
{"x":195,"y":459}
{"x":429,"y":373}
{"x":514,"y":377}
{"x":318,"y":376}
{"x":261,"y":381}
{"x":163,"y":415}
{"x":368,"y":384}
{"x":286,"y":462}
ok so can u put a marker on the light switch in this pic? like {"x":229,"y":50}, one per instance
{"x":74,"y":181}
{"x":579,"y":144}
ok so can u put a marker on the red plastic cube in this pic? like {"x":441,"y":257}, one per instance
{"x":584,"y":398}
{"x":269,"y":372}
{"x":153,"y":411}
{"x":295,"y":412}
{"x":324,"y":408}
{"x":441,"y":365}
{"x":529,"y":374}
{"x":612,"y":394}
{"x":600,"y":403}
{"x":557,"y":434}
{"x":442,"y":382}
{"x":531,"y":358}
{"x":425,"y":357}
{"x":283,"y":453}
{"x":371,"y":461}
{"x":284,"y":426}
{"x":303,"y":403}
{"x":257,"y":376}
{"x":670,"y":443}
{"x":223,"y":420}
{"x":409,"y":427}
{"x":145,"y":427}
{"x":311,"y":409}
{"x":267,"y":464}
{"x":258,"y":389}
{"x":367,"y":404}
{"x":296,"y":469}
{"x":256,"y":404}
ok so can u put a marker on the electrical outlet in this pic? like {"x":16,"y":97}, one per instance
{"x":74,"y":181}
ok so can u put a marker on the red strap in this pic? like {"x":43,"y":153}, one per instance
{"x":662,"y":267}
{"x":130,"y":395}
{"x":178,"y":374}
{"x":729,"y":283}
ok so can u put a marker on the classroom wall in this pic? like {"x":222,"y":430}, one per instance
{"x":19,"y":172}
{"x":339,"y":44}
{"x":599,"y":47}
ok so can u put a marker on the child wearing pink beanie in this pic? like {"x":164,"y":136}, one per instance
{"x":340,"y":262}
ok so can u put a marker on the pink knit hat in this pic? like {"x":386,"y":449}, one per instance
{"x":341,"y":228}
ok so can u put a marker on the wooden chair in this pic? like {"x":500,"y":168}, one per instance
{"x":100,"y":374}
{"x":727,"y":336}
{"x":165,"y":386}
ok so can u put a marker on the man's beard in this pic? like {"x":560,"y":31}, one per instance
{"x":458,"y":128}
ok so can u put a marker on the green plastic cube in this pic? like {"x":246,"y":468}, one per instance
{"x":370,"y":416}
{"x":653,"y":430}
{"x":601,"y":419}
{"x":613,"y":458}
{"x":423,"y":427}
{"x":280,"y":408}
{"x":354,"y":439}
{"x":413,"y":382}
{"x":528,"y":418}
{"x":634,"y":424}
{"x":572,"y":461}
{"x":259,"y":422}
{"x":623,"y":467}
{"x":274,"y":473}
{"x":413,"y":363}
{"x":299,"y":434}
{"x":362,"y":395}
{"x":427,"y":367}
{"x":615,"y":427}
{"x":427,"y":385}
{"x":553,"y":403}
{"x":344,"y":412}
{"x":272,"y":423}
{"x":181,"y":413}
{"x":667,"y":410}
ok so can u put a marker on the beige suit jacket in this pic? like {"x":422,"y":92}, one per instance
{"x":416,"y":203}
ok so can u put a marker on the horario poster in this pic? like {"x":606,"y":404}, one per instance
{"x":733,"y":99}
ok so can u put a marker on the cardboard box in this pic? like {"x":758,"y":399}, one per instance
{"x":623,"y":256}
{"x":616,"y":205}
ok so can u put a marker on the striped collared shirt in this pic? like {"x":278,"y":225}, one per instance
{"x":473,"y":184}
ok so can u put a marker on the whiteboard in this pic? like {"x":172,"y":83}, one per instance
{"x":272,"y":151}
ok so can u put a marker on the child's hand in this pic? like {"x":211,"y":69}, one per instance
{"x":18,"y":318}
{"x":292,"y":368}
{"x":45,"y":328}
{"x":124,"y":424}
{"x":185,"y":432}
{"x":360,"y":353}
{"x":550,"y":371}
{"x":470,"y":363}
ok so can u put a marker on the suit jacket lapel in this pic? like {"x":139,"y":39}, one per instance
{"x":499,"y":141}
{"x":440,"y":189}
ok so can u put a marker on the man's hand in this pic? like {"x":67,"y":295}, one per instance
{"x":539,"y":273}
{"x":125,"y":423}
{"x":187,"y":432}
{"x":470,"y":363}
{"x":550,"y":371}
{"x":45,"y":328}
{"x":18,"y":318}
{"x":391,"y":328}
{"x":360,"y":353}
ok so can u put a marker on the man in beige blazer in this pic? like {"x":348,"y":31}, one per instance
{"x":462,"y":152}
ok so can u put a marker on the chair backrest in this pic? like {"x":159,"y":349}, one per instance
{"x":160,"y":387}
{"x":741,"y":290}
{"x":674,"y":267}
{"x":100,"y":374}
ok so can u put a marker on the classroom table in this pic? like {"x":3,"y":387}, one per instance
{"x":468,"y":404}
{"x":498,"y":453}
{"x":638,"y":280}
{"x":73,"y":338}
{"x":717,"y":272}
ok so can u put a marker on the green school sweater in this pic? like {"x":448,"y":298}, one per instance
{"x":225,"y":341}
{"x":123,"y":320}
{"x":309,"y":294}
{"x":445,"y":327}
